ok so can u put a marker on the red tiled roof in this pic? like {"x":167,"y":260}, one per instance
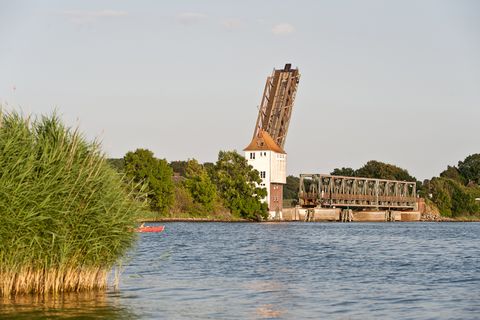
{"x":263,"y":141}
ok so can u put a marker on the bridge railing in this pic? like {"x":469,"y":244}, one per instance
{"x":341,"y":191}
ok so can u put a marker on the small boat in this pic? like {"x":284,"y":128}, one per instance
{"x":150,"y":229}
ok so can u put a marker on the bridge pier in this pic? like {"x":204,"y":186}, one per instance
{"x":346,"y":215}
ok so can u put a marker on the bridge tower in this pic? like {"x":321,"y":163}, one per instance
{"x":265,"y":152}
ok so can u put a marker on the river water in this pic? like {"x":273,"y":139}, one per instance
{"x":287,"y":271}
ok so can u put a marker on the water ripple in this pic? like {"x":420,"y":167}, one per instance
{"x":297,"y":271}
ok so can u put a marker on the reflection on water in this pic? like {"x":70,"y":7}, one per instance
{"x":98,"y":305}
{"x":286,"y":271}
{"x":267,"y":311}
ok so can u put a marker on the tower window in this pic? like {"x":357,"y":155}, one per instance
{"x":252,"y":155}
{"x":262,"y":174}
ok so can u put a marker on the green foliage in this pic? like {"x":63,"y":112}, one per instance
{"x":290,"y":189}
{"x":380,"y":170}
{"x":455,"y":191}
{"x":179,"y":167}
{"x":453,"y":173}
{"x":210,"y":168}
{"x":236,"y":182}
{"x":183,"y":201}
{"x":200,"y":186}
{"x":452,"y":198}
{"x":156,"y":174}
{"x":62,"y":208}
{"x":422,"y":190}
{"x":377,"y":170}
{"x":347,"y":172}
{"x":117,"y":164}
{"x":470,"y":168}
{"x":441,"y":196}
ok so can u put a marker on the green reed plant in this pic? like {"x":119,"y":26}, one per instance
{"x":66,"y":217}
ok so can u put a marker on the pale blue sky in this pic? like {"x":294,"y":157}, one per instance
{"x":395,"y":81}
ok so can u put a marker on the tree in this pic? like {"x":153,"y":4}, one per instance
{"x":117,"y":163}
{"x":237,"y":183}
{"x":290,"y":189}
{"x":380,"y":170}
{"x":453,"y":173}
{"x":470,"y":168}
{"x":155,"y":173}
{"x":210,"y":168}
{"x":199,"y":185}
{"x":453,"y":198}
{"x":183,"y":201}
{"x":348,"y":172}
{"x":179,"y":167}
{"x":441,"y":196}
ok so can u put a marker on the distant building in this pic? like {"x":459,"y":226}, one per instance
{"x":264,"y":155}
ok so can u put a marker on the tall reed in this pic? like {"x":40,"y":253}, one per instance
{"x":66,"y":216}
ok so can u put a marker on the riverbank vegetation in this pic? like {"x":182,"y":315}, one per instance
{"x":225,"y":190}
{"x":66,"y":217}
{"x":456,"y":192}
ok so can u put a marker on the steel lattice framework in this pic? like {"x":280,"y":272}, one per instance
{"x":339,"y":191}
{"x":277,"y":103}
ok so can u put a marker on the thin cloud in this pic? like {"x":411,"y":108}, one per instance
{"x":79,"y":16}
{"x":189,"y":18}
{"x":232,"y":24}
{"x":283,"y":29}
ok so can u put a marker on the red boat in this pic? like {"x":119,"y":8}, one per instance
{"x":150,"y":229}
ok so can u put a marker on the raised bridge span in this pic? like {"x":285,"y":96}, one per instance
{"x":321,"y":190}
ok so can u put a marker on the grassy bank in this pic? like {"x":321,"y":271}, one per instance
{"x":223,"y":216}
{"x":65,"y":215}
{"x":190,"y":219}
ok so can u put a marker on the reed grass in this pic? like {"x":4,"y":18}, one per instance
{"x":66,"y":217}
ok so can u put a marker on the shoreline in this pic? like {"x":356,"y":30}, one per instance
{"x":193,"y":220}
{"x":205,"y":220}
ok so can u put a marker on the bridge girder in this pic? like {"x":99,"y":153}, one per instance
{"x":340,"y":191}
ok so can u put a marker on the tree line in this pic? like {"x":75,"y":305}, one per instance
{"x":229,"y":188}
{"x":225,"y":189}
{"x":456,"y":190}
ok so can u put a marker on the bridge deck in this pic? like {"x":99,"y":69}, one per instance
{"x":340,"y":191}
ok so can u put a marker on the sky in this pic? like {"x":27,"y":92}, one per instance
{"x":393,"y":81}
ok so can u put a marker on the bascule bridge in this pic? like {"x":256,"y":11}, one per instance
{"x":266,"y":150}
{"x":321,"y":196}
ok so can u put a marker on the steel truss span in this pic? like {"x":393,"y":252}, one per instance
{"x":339,"y":191}
{"x":277,"y":104}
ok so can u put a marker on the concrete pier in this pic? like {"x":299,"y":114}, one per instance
{"x":335,"y":214}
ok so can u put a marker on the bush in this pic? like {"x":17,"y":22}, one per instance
{"x":65,"y":215}
{"x":452,"y":198}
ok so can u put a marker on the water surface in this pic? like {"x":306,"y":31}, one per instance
{"x":290,"y":271}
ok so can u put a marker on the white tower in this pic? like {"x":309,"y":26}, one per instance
{"x":264,"y":155}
